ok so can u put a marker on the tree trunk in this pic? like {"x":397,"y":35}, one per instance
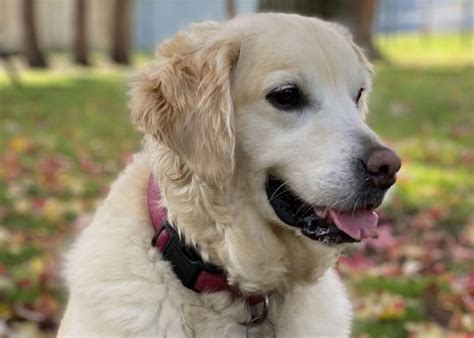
{"x":364,"y":13}
{"x":31,"y":48}
{"x":326,"y":9}
{"x":80,"y":49}
{"x":358,"y":15}
{"x":121,"y":32}
{"x":230,"y":8}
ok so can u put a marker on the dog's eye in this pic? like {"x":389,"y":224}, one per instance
{"x":287,"y":97}
{"x":359,"y":95}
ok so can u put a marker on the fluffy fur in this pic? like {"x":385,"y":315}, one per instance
{"x":211,"y":141}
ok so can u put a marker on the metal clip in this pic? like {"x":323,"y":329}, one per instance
{"x":258,"y":319}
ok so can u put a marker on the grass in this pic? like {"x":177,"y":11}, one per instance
{"x":427,"y":114}
{"x":406,"y":287}
{"x":51,"y":106}
{"x":56,"y":126}
{"x":65,"y":135}
{"x":426,"y":50}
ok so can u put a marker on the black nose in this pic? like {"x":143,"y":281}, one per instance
{"x":382,"y":165}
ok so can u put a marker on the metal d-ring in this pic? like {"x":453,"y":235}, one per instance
{"x":258,"y":319}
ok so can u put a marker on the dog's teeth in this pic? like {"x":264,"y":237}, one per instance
{"x":321,"y":212}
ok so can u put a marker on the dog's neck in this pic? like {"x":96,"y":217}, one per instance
{"x":189,"y":205}
{"x":226,"y":231}
{"x":194,"y":273}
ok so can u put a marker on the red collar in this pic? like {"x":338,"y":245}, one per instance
{"x":188,"y":266}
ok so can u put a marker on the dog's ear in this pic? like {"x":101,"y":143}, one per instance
{"x":184,"y":100}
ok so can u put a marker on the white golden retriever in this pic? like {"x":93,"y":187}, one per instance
{"x":255,"y":137}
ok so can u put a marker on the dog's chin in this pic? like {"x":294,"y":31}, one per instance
{"x":320,"y":224}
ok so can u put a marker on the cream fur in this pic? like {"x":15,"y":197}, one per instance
{"x":211,"y":140}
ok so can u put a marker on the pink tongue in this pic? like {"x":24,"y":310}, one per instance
{"x":358,"y":225}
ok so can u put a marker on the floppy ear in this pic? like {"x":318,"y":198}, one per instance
{"x":184,"y":100}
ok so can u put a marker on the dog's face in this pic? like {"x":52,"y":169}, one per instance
{"x":300,"y":96}
{"x":269,"y":109}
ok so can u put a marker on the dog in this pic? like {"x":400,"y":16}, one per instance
{"x":258,"y":169}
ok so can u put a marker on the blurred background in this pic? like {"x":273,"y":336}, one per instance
{"x":65,"y":135}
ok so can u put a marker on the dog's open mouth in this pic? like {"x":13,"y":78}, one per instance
{"x":319,"y":223}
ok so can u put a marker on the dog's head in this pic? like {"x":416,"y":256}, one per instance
{"x":265,"y":114}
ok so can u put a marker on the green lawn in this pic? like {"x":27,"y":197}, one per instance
{"x":65,"y":135}
{"x":428,"y":115}
{"x":426,"y":50}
